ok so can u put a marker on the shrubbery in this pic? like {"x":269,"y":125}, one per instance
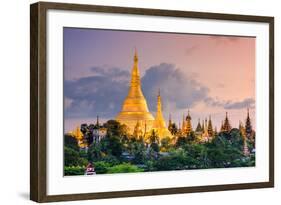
{"x":124,"y":168}
{"x":70,"y":171}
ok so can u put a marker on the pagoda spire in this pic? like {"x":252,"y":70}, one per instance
{"x":248,"y":126}
{"x":205,"y":135}
{"x":226,"y":126}
{"x":198,"y":128}
{"x":188,"y":123}
{"x":170,"y":118}
{"x":183,"y":124}
{"x":210,"y":127}
{"x":136,"y":56}
{"x":241,"y":126}
{"x":135,"y":76}
{"x":159,"y":122}
{"x":97,"y":123}
{"x":159,"y":103}
{"x":216,"y":131}
{"x":170,"y":122}
{"x":222,"y":128}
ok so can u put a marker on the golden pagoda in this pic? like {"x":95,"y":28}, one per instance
{"x":183,"y":129}
{"x":134,"y":109}
{"x":138,"y":131}
{"x":159,"y":124}
{"x":78,"y":135}
{"x":205,"y":136}
{"x":226,"y":125}
{"x":210,"y":127}
{"x":188,"y":125}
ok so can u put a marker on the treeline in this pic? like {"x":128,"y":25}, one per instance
{"x":118,"y":152}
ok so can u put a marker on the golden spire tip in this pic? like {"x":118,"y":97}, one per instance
{"x":135,"y":55}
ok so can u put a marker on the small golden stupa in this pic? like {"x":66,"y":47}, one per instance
{"x":134,"y":109}
{"x":159,"y":124}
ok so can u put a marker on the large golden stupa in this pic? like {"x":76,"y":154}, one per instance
{"x":134,"y":109}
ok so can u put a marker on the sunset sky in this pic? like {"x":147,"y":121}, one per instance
{"x":206,"y":74}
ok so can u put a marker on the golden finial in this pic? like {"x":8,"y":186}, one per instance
{"x":136,"y":56}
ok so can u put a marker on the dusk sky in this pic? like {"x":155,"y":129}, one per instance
{"x":206,"y":74}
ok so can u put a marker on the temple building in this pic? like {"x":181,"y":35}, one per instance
{"x":210,"y":127}
{"x":138,"y":131}
{"x":183,"y":129}
{"x":204,"y":131}
{"x":159,"y":124}
{"x":199,"y":129}
{"x":205,"y":135}
{"x":134,"y":108}
{"x":248,"y":128}
{"x":226,"y":127}
{"x":242,"y":129}
{"x":99,"y":131}
{"x":188,"y":126}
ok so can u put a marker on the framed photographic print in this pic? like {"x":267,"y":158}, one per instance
{"x":135,"y":102}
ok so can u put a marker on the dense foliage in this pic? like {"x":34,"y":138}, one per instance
{"x":119,"y":152}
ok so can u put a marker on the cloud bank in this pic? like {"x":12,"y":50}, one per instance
{"x":228,"y":105}
{"x":102,"y":93}
{"x":178,"y":90}
{"x":98,"y":94}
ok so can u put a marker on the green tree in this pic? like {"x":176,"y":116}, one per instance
{"x":226,"y":150}
{"x":94,"y":152}
{"x":114,"y":128}
{"x":71,"y":171}
{"x":138,"y":150}
{"x":115,"y":146}
{"x":191,"y":138}
{"x":111,"y":145}
{"x":110,"y":159}
{"x":181,"y":141}
{"x":101,"y":167}
{"x":155,"y":147}
{"x":174,"y":129}
{"x":72,"y":158}
{"x":166,"y":144}
{"x":176,"y":160}
{"x":70,"y":142}
{"x":153,"y":137}
{"x":199,"y":154}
